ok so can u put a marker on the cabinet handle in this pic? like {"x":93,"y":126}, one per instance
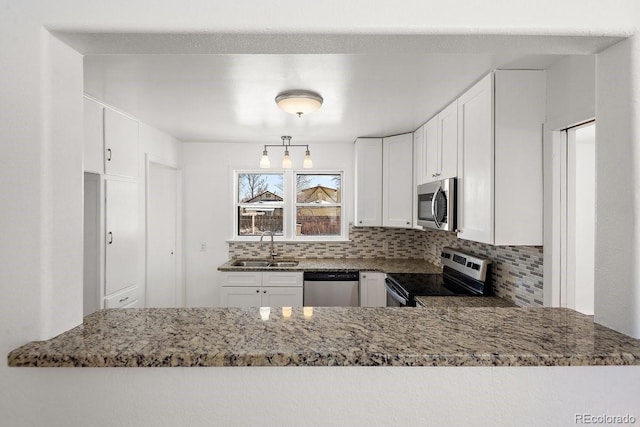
{"x":108,"y":154}
{"x":264,"y":292}
{"x":408,"y":222}
{"x":360,"y":222}
{"x":123,"y":299}
{"x":257,"y":291}
{"x":110,"y":238}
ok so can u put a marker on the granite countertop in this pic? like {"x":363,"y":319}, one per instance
{"x":333,"y":336}
{"x":462,"y":301}
{"x":384,"y":265}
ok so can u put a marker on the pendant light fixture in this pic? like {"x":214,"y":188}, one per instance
{"x":265,"y":163}
{"x":299,"y":101}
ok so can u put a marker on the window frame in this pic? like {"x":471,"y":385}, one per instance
{"x":296,"y":204}
{"x":289,"y":205}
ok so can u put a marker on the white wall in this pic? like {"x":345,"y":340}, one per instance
{"x":208,"y":202}
{"x":40,"y":271}
{"x":571,"y":99}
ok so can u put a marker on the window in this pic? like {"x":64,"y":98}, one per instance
{"x":292,"y":205}
{"x":260,"y":205}
{"x":318,"y":204}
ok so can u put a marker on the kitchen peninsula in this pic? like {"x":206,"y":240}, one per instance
{"x":322,"y":336}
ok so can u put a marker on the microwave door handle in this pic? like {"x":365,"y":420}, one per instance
{"x":434,"y":207}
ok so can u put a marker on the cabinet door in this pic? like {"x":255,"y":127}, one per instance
{"x":240,"y":296}
{"x":432,"y":152}
{"x":120,"y":144}
{"x":281,"y":278}
{"x":121,"y":238}
{"x":448,"y":146}
{"x":368,"y":210}
{"x":278,"y":296}
{"x":397,"y":183}
{"x":372,"y":290}
{"x":475,"y":184}
{"x":419,"y":155}
{"x":519,"y":114}
{"x":93,"y":137}
{"x":251,"y":279}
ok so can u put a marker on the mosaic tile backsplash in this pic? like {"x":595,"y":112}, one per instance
{"x":516,"y":271}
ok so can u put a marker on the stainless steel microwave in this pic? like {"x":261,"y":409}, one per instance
{"x":437,"y":205}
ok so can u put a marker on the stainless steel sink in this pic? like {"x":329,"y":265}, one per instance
{"x":264,"y":263}
{"x":251,"y":263}
{"x":284,"y":264}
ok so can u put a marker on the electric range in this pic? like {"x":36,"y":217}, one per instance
{"x":463,"y":274}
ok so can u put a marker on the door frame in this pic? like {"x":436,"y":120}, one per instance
{"x":180,"y":290}
{"x":555,"y":225}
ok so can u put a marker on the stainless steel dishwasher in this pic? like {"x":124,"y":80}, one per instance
{"x":331,"y":289}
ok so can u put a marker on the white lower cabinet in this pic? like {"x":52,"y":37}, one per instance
{"x":372,"y":290}
{"x":121,"y":235}
{"x":261,"y":289}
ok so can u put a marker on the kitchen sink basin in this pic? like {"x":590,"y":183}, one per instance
{"x":263,"y":263}
{"x":251,"y":263}
{"x":283,"y":264}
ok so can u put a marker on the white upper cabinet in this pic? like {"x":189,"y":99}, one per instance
{"x":120,"y":144}
{"x":500,"y":166}
{"x":441,"y":142}
{"x":93,"y":137}
{"x":419,"y":155}
{"x":368,"y":209}
{"x":397,"y":182}
{"x":448,"y":142}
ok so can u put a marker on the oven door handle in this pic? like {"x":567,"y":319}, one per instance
{"x":394,"y":294}
{"x":434,"y":207}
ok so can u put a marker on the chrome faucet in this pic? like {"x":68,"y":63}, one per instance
{"x":272,"y":251}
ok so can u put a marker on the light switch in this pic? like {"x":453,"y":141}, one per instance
{"x":203,"y":247}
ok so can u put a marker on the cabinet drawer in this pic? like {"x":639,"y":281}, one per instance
{"x":276,"y":278}
{"x":241,"y":278}
{"x":125,"y":299}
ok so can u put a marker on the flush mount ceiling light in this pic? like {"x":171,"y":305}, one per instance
{"x":299,"y":101}
{"x":265,"y":163}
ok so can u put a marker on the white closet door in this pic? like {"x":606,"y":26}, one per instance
{"x":161,"y":290}
{"x":121,"y":235}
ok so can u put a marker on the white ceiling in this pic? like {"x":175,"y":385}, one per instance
{"x":369,"y":88}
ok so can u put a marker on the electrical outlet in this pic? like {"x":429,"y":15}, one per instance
{"x":385,"y":246}
{"x":203,"y":247}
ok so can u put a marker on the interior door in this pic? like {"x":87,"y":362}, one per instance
{"x":162,"y":203}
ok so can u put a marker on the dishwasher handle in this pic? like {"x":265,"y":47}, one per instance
{"x":331,"y":276}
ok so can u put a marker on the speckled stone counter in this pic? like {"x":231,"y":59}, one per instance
{"x":335,"y":336}
{"x":347,"y":264}
{"x":462,"y":301}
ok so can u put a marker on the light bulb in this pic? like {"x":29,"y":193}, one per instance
{"x":308,"y":163}
{"x":286,"y":161}
{"x":265,"y":163}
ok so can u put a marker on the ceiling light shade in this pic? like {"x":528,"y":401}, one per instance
{"x":307,"y":163}
{"x":286,"y":161}
{"x":299,"y":101}
{"x":265,"y":163}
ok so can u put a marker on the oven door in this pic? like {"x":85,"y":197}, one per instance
{"x":394,"y":299}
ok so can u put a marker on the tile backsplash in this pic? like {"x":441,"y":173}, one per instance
{"x":516,"y":271}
